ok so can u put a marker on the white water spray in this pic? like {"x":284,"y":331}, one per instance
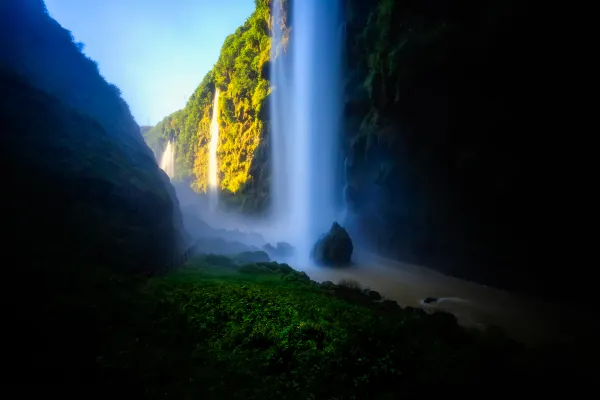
{"x":213,"y":180}
{"x":167,"y":161}
{"x":305,"y":110}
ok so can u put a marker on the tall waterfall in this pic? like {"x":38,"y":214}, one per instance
{"x":305,"y":112}
{"x":213,"y":172}
{"x":167,"y":161}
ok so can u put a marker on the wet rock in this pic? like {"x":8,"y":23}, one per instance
{"x":335,"y":248}
{"x":430,"y":300}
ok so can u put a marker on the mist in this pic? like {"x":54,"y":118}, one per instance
{"x":354,"y":197}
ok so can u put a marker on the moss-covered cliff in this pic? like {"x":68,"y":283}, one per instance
{"x":80,"y":181}
{"x":442,"y":165}
{"x":239,"y":75}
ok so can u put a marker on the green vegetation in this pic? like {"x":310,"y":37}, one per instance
{"x":263,"y":330}
{"x":238,"y":74}
{"x":81,"y":179}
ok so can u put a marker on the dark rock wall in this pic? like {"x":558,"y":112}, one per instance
{"x":79,"y":179}
{"x":446,"y":161}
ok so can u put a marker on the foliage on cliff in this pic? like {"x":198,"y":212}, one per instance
{"x":441,"y":137}
{"x":35,"y":46}
{"x":238,"y":74}
{"x":82,"y":179}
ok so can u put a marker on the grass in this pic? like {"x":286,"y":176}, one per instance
{"x":215,"y":329}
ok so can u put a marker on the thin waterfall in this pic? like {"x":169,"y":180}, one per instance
{"x":167,"y":161}
{"x":280,"y":118}
{"x":306,"y":110}
{"x":213,"y":173}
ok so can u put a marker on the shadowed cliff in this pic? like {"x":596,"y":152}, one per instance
{"x":82,"y":181}
{"x":83,"y":197}
{"x":449,"y":118}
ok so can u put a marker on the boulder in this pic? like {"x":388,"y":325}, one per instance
{"x":335,"y":248}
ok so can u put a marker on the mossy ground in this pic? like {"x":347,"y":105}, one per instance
{"x":215,"y":329}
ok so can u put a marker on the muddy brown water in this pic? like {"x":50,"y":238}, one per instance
{"x":524,"y":318}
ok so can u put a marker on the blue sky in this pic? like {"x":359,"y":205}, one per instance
{"x":155,"y":51}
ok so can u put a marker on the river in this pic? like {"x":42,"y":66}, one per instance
{"x":524,"y":318}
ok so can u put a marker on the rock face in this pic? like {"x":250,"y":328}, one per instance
{"x":429,"y":178}
{"x":81,"y":183}
{"x":335,"y":248}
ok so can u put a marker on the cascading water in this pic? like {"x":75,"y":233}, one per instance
{"x":213,"y":180}
{"x":280,"y":118}
{"x":305,"y":121}
{"x":167,"y":161}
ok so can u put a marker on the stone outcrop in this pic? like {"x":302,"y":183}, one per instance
{"x":335,"y":248}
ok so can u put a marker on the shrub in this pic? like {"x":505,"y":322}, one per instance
{"x":254,"y":269}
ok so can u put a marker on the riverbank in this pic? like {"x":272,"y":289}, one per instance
{"x":219,"y":329}
{"x":524,"y":318}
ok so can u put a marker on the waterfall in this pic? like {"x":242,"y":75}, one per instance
{"x":280,"y":119}
{"x":305,"y":112}
{"x":213,"y":173}
{"x":167,"y":161}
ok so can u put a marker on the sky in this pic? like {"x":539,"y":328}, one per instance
{"x":155,"y":51}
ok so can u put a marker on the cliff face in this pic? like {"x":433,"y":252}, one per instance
{"x":239,"y":76}
{"x":80,"y":180}
{"x":442,"y":166}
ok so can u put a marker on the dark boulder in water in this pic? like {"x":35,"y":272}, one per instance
{"x":430,"y":300}
{"x":334,"y":248}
